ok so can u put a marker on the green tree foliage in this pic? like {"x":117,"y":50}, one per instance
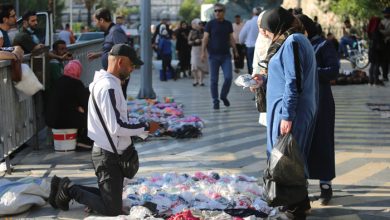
{"x":358,"y":10}
{"x":190,"y":9}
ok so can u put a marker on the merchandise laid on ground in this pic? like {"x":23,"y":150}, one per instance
{"x":203,"y":195}
{"x":349,"y":78}
{"x":168,"y":114}
{"x":161,"y":196}
{"x":383,"y":109}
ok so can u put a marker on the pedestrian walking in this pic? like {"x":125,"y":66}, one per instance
{"x":113,"y":34}
{"x":376,"y":51}
{"x":248,"y":36}
{"x":239,"y":60}
{"x":321,"y":159}
{"x":198,"y":68}
{"x":386,"y":33}
{"x":183,"y":49}
{"x":218,"y":38}
{"x":106,"y":90}
{"x":165,"y":52}
{"x":292,"y":87}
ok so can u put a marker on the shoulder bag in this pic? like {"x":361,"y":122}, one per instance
{"x":128,"y":161}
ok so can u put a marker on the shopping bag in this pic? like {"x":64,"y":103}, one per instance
{"x":286,"y":163}
{"x":284,"y":178}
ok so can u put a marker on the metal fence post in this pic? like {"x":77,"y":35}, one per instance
{"x":146,"y":91}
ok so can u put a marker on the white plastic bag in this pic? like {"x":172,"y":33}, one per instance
{"x":29,"y":85}
{"x":18,"y":196}
{"x":245,"y":81}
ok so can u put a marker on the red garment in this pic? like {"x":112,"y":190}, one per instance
{"x":186,"y":215}
{"x":373,"y":24}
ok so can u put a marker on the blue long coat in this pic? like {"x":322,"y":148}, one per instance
{"x":284,"y":100}
{"x":321,"y":162}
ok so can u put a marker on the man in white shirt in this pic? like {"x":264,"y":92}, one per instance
{"x":66,"y":35}
{"x":238,"y":61}
{"x":248,"y":36}
{"x":107,"y":91}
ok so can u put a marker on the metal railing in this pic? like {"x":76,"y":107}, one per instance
{"x":20,"y":121}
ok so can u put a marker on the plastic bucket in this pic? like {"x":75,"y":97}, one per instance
{"x":64,"y":139}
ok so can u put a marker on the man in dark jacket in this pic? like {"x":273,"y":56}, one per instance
{"x":113,"y":34}
{"x":27,"y":38}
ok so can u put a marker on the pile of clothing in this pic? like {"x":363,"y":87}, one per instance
{"x":349,"y":78}
{"x":205,"y":195}
{"x":168,"y":114}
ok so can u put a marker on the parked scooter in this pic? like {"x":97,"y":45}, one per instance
{"x":358,"y":54}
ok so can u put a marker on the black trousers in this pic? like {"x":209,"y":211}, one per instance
{"x":166,"y":63}
{"x":107,"y":199}
{"x":239,"y":61}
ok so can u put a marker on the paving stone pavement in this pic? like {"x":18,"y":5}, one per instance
{"x":234,"y":142}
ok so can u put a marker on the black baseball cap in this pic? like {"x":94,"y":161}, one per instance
{"x":127,"y":51}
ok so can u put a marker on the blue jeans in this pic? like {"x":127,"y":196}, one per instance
{"x":215,"y":62}
{"x":250,"y":51}
{"x":344,"y":41}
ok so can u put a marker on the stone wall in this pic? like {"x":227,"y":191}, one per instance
{"x":328,"y":20}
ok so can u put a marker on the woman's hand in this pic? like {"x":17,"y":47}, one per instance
{"x":285,"y":127}
{"x":259,"y":82}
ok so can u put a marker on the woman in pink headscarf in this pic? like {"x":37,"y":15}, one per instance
{"x":67,"y":107}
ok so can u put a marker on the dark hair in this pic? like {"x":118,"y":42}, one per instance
{"x":5,"y":12}
{"x":58,"y":42}
{"x":103,"y":13}
{"x":237,"y":16}
{"x":28,"y":14}
{"x":67,"y":26}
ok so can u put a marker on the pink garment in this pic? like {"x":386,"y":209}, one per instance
{"x":186,"y":215}
{"x":73,"y":69}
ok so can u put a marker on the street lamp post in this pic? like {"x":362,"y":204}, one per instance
{"x":146,"y":90}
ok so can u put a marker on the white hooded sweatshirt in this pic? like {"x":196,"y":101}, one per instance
{"x":106,"y":88}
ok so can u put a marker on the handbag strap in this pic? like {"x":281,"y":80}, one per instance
{"x":103,"y":124}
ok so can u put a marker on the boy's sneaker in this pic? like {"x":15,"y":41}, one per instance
{"x":216,"y":106}
{"x":55,"y":181}
{"x":62,"y":197}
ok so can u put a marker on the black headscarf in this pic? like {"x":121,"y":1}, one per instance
{"x":277,"y":20}
{"x":309,"y":25}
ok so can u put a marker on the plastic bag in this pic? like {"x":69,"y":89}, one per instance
{"x":29,"y":85}
{"x":245,"y":81}
{"x":286,"y":163}
{"x":284,"y":178}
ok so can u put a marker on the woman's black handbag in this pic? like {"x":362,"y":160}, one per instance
{"x":128,"y":161}
{"x":260,"y":99}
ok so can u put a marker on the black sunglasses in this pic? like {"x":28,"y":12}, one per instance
{"x":218,"y":10}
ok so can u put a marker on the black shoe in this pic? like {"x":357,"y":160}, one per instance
{"x":62,"y":197}
{"x":194,"y":84}
{"x":226,"y":102}
{"x":202,"y":84}
{"x":300,"y":210}
{"x":216,"y":106}
{"x":55,"y":181}
{"x":386,"y":79}
{"x":326,"y":194}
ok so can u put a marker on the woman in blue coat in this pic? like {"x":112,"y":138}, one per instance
{"x":321,"y":160}
{"x":292,"y":85}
